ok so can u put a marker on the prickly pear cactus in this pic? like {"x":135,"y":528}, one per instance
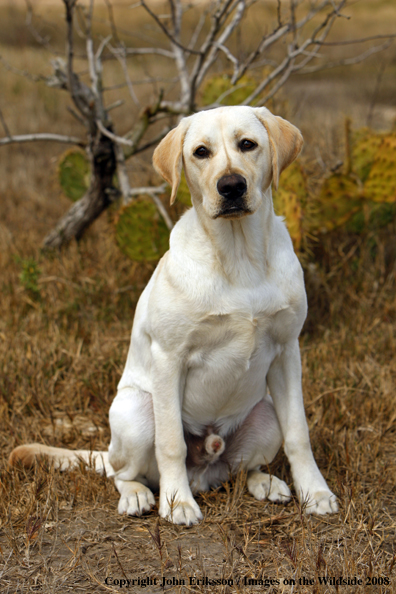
{"x":380,"y":185}
{"x":291,"y":202}
{"x":365,"y":197}
{"x":365,"y":145}
{"x":219,"y":87}
{"x":337,"y":202}
{"x":74,"y":174}
{"x":140,"y":231}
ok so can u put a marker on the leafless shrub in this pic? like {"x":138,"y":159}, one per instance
{"x":296,"y":42}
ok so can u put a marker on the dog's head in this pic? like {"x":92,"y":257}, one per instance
{"x":230,"y":156}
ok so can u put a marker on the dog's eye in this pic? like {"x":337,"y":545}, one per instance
{"x":201,"y":152}
{"x":247,"y":145}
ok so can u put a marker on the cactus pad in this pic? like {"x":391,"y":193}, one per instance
{"x":380,"y":185}
{"x":290,"y":201}
{"x":365,"y":145}
{"x":140,"y":231}
{"x":74,"y":174}
{"x":218,"y":85}
{"x":338,"y":201}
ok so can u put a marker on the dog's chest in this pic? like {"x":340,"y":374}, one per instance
{"x":229,"y":357}
{"x":242,"y":323}
{"x":231,"y":341}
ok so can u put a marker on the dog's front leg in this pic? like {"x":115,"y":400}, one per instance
{"x":284,"y":382}
{"x":177,"y":503}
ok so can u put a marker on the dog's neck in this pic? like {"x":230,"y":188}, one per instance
{"x":241,"y":245}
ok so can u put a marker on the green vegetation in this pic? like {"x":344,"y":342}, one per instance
{"x":364,"y":197}
{"x":29,"y":275}
{"x":74,"y":173}
{"x":219,"y":86}
{"x":141,"y":232}
{"x":360,"y":198}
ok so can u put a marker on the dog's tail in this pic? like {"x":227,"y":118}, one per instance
{"x":62,"y":458}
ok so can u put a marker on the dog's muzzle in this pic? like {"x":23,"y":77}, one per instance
{"x":233,"y":190}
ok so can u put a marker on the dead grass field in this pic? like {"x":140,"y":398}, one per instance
{"x":64,"y":332}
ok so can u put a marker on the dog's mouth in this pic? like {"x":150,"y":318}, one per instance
{"x":233,"y":189}
{"x":233,"y":211}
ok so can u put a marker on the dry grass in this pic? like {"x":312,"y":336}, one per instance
{"x":64,"y":331}
{"x":62,"y":351}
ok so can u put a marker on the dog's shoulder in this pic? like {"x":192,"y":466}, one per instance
{"x":284,"y":263}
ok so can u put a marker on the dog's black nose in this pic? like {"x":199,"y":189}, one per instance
{"x":232,"y":186}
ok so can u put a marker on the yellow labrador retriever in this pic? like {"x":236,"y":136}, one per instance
{"x":215,"y":329}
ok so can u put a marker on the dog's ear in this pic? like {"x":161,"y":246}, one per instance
{"x":168,"y":158}
{"x":285,"y":141}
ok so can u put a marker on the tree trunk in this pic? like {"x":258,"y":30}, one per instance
{"x":98,"y":197}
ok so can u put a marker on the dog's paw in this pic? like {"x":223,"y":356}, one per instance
{"x":136,"y":499}
{"x":320,"y":502}
{"x":265,"y":486}
{"x":186,"y":513}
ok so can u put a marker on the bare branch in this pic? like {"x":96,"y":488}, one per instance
{"x":126,"y":32}
{"x":143,"y":81}
{"x":112,"y":20}
{"x":114,"y":105}
{"x":148,"y":190}
{"x":75,"y":115}
{"x":198,"y":29}
{"x":217,"y":17}
{"x":327,"y":26}
{"x":162,"y":210}
{"x":227,"y":52}
{"x":283,"y":66}
{"x":175,"y":108}
{"x":113,"y":137}
{"x":301,"y":42}
{"x":35,"y":33}
{"x":4,"y":124}
{"x":165,"y":30}
{"x":120,"y":54}
{"x":152,"y":192}
{"x":19,"y":72}
{"x":72,"y":80}
{"x":122,"y":173}
{"x":278,"y":12}
{"x":133,"y":138}
{"x":287,"y":72}
{"x":265,"y":43}
{"x":152,"y":142}
{"x":361,"y":40}
{"x":224,"y":95}
{"x":240,"y":7}
{"x":102,"y":45}
{"x":349,"y":61}
{"x":43,"y":136}
{"x":179,"y":56}
{"x":286,"y":67}
{"x":280,"y":31}
{"x":147,"y":51}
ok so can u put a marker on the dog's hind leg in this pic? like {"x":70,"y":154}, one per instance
{"x":131,"y":451}
{"x":256,"y":444}
{"x":136,"y":498}
{"x":266,"y":486}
